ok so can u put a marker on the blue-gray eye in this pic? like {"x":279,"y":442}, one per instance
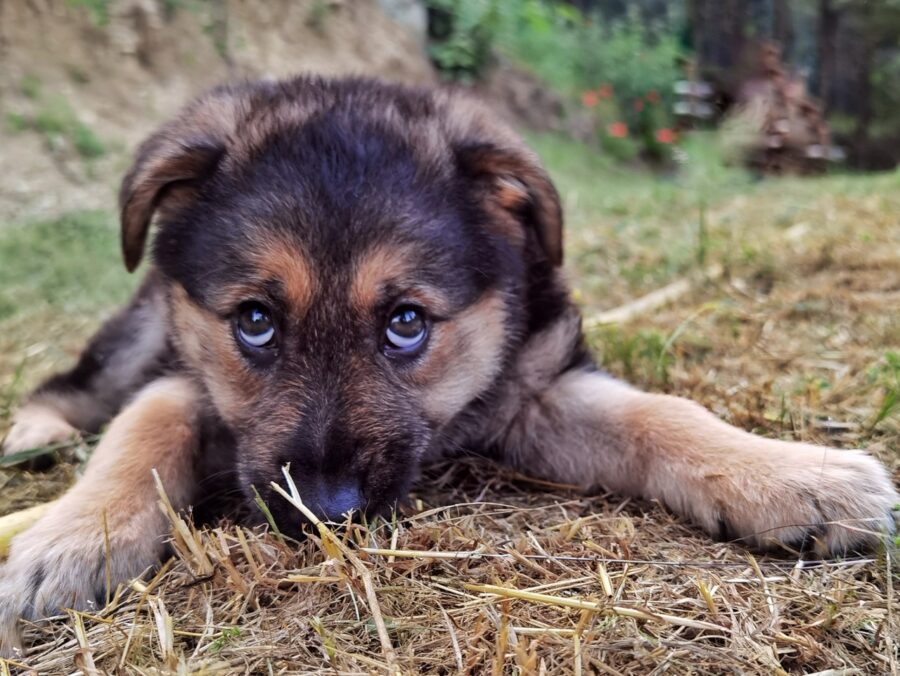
{"x":255,"y":327}
{"x":406,"y":330}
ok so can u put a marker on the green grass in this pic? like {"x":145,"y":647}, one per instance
{"x":638,"y":355}
{"x":630,"y":231}
{"x":56,"y":121}
{"x":30,"y":86}
{"x":887,"y":374}
{"x":86,"y":141}
{"x":642,"y":229}
{"x":808,"y":264}
{"x":71,"y":263}
{"x":59,"y":278}
{"x":16,"y":122}
{"x":97,"y":9}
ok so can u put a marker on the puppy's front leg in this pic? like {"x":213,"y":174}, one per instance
{"x":129,"y":351}
{"x":588,"y":429}
{"x":109,"y":524}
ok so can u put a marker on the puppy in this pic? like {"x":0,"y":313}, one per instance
{"x":353,"y":278}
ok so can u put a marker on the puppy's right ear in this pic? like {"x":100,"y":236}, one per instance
{"x":170,"y":165}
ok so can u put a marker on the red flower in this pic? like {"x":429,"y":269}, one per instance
{"x":653,"y":96}
{"x":666,"y":136}
{"x":617,"y":129}
{"x":605,"y":91}
{"x":638,"y":105}
{"x":589,"y":99}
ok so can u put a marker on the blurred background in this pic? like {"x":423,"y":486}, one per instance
{"x":736,"y":158}
{"x":804,"y":87}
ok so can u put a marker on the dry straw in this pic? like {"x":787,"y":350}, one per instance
{"x":484,"y":587}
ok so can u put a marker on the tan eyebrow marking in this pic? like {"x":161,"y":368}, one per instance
{"x":274,"y":260}
{"x":280,"y":260}
{"x":394,"y":264}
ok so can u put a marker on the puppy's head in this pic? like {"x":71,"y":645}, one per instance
{"x":351,"y":266}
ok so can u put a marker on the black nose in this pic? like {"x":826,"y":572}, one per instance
{"x":332,"y":502}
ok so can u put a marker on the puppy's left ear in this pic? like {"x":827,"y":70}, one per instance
{"x":517,"y":183}
{"x":171,"y":163}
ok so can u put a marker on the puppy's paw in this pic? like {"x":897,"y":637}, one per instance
{"x":804,"y":498}
{"x":63,"y":562}
{"x":35,"y":426}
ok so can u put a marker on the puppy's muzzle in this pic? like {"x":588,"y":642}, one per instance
{"x":331,"y":502}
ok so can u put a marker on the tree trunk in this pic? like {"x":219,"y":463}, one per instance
{"x":864,"y":89}
{"x":696,"y":12}
{"x":783,"y":26}
{"x":829,"y":19}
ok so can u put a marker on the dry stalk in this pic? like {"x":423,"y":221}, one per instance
{"x":338,"y":547}
{"x":653,"y":300}
{"x":582,"y":604}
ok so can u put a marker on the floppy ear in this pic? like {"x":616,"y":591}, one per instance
{"x":170,"y":164}
{"x":516,"y":182}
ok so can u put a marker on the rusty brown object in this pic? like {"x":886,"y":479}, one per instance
{"x":789,"y":130}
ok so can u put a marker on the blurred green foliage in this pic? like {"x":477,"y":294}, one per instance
{"x":30,"y":86}
{"x":462,"y":35}
{"x":622,"y":69}
{"x":72,"y":264}
{"x":887,"y":374}
{"x":560,"y":44}
{"x":640,"y":355}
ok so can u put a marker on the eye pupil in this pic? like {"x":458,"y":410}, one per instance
{"x":257,"y":318}
{"x":406,"y":330}
{"x":254,"y":326}
{"x":407,"y":323}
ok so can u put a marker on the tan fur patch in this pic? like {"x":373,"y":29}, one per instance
{"x":510,"y":193}
{"x":281,"y":260}
{"x":464,"y":356}
{"x":151,"y":433}
{"x":378,"y":266}
{"x":396,"y":266}
{"x":589,"y":429}
{"x":108,"y":527}
{"x":35,"y":425}
{"x":207,"y":343}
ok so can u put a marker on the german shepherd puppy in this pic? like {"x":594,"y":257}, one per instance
{"x":353,"y":278}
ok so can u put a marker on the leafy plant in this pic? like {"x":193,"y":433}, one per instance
{"x":462,"y":34}
{"x":16,"y":122}
{"x":86,"y":142}
{"x":622,"y":70}
{"x":226,"y":636}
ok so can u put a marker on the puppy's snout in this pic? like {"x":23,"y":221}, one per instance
{"x":333,"y":501}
